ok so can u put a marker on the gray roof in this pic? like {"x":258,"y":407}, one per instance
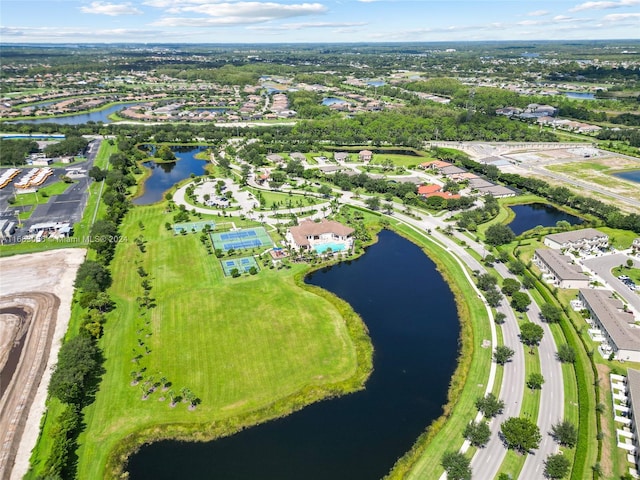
{"x":633,"y":385}
{"x":576,"y":235}
{"x":497,"y":190}
{"x":451,"y":170}
{"x":605,"y":307}
{"x":480,"y":183}
{"x":561,"y":265}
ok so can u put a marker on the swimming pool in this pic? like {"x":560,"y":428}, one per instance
{"x":335,"y":247}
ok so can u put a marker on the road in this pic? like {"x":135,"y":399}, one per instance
{"x":602,"y":267}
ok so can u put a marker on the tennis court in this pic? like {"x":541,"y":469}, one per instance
{"x":242,"y":264}
{"x":192,"y":226}
{"x":241,"y":239}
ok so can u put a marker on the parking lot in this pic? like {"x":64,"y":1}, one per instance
{"x":603,"y":265}
{"x":66,"y":207}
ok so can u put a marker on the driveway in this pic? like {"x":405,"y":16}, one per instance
{"x":602,"y":266}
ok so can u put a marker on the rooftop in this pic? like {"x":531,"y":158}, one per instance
{"x":616,"y":323}
{"x":560,"y":264}
{"x":576,"y":235}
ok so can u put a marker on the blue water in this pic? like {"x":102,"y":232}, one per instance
{"x":165,"y":175}
{"x":98,"y":116}
{"x":412,"y":320}
{"x":580,"y":95}
{"x":376,"y":83}
{"x":533,"y":214}
{"x":28,"y":136}
{"x":632,"y":175}
{"x":335,"y":247}
{"x":332,"y":100}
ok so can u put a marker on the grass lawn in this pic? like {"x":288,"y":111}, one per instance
{"x":212,"y":335}
{"x":42,"y":195}
{"x":632,"y":273}
{"x":283,"y":200}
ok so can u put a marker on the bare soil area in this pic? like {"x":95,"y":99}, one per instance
{"x":41,"y":286}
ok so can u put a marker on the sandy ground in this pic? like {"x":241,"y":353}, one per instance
{"x":43,"y":282}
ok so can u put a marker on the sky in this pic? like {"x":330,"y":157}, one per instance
{"x":311,"y":21}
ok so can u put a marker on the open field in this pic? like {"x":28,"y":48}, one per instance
{"x":211,"y":334}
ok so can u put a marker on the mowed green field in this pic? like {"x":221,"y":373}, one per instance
{"x":238,"y":344}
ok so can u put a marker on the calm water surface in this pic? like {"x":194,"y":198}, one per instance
{"x":533,"y":214}
{"x":633,"y":175}
{"x":412,"y":320}
{"x":166,"y":175}
{"x":97,"y":116}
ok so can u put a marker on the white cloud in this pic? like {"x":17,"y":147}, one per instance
{"x":538,"y":13}
{"x":239,"y":13}
{"x":304,"y":26}
{"x":111,"y":9}
{"x":529,"y":22}
{"x":563,"y":18}
{"x":604,"y":5}
{"x":620,"y":17}
{"x":80,"y":34}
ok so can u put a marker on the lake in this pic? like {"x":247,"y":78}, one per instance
{"x":97,"y":116}
{"x":580,"y":95}
{"x":631,"y":175}
{"x":166,"y":175}
{"x":531,"y":215}
{"x":332,"y":101}
{"x":412,"y":320}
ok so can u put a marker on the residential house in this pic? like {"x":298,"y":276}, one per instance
{"x":585,"y":240}
{"x":365,"y":155}
{"x":559,"y":269}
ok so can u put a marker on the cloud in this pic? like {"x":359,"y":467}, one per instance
{"x":620,"y":17}
{"x":79,"y":34}
{"x":304,"y":26}
{"x":239,"y":13}
{"x":111,"y":9}
{"x":538,"y":13}
{"x":604,"y":5}
{"x":529,"y":22}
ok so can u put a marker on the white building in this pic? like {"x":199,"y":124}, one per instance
{"x":310,"y":235}
{"x":559,"y":269}
{"x":585,"y":240}
{"x":621,"y":335}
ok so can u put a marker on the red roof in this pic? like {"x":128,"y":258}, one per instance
{"x":446,"y":195}
{"x":435,"y":164}
{"x":427,"y":189}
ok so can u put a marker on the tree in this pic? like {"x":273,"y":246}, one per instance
{"x":486,"y":281}
{"x":493,"y":297}
{"x":490,"y":405}
{"x":517,"y":267}
{"x":520,"y":301}
{"x":77,"y":359}
{"x":551,"y":313}
{"x":531,"y":334}
{"x":629,"y":263}
{"x":92,"y":277}
{"x":499,"y":318}
{"x":477,"y":433}
{"x":556,"y":466}
{"x":104,"y":236}
{"x":502,"y":354}
{"x":373,"y":203}
{"x":566,"y":354}
{"x":499,"y":234}
{"x":528,"y":282}
{"x":535,"y":381}
{"x":324,"y":190}
{"x":97,"y":173}
{"x":165,"y":153}
{"x":565,"y":433}
{"x":456,"y":465}
{"x":510,"y":286}
{"x":520,"y":434}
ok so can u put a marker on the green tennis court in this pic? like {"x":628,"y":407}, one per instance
{"x":242,"y":264}
{"x":241,"y":239}
{"x":192,"y":226}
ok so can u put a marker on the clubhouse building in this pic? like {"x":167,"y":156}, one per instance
{"x":320,"y":236}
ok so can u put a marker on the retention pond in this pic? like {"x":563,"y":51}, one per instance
{"x":413,"y":323}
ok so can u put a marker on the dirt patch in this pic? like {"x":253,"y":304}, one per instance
{"x":41,"y":284}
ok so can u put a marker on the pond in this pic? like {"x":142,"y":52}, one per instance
{"x":411,"y":316}
{"x":580,"y":95}
{"x":97,"y":116}
{"x":332,"y":101}
{"x":631,"y":175}
{"x":166,"y":175}
{"x":533,"y":214}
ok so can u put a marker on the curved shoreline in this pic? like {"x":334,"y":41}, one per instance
{"x":117,"y":458}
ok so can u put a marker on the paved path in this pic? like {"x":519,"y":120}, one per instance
{"x":602,"y":267}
